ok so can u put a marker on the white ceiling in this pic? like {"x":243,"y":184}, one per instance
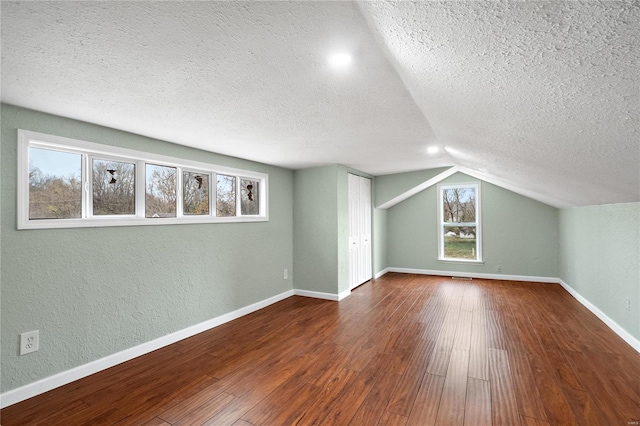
{"x":539,"y":97}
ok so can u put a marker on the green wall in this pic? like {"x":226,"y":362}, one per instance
{"x":320,"y":229}
{"x":93,"y":292}
{"x":520,"y":235}
{"x":388,"y":187}
{"x":600,"y":259}
{"x":379,"y":237}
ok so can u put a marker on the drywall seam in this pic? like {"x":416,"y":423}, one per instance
{"x":624,"y":334}
{"x":32,"y":389}
{"x":418,"y":188}
{"x":614,"y":326}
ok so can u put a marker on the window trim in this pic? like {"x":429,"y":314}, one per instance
{"x":478,"y":223}
{"x":91,"y":150}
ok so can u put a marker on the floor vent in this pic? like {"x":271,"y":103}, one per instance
{"x":462,"y":278}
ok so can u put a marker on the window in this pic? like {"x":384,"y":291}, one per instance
{"x":160,"y":194}
{"x":195,"y":193}
{"x":250,"y":198}
{"x":113,"y":188}
{"x":67,"y":183}
{"x":226,"y":196}
{"x":55,"y":179}
{"x":459,"y":231}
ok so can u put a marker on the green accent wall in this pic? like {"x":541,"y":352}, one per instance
{"x":93,"y":292}
{"x":600,"y":259}
{"x":321,"y":229}
{"x":379,"y":237}
{"x":388,"y":187}
{"x":520,"y":235}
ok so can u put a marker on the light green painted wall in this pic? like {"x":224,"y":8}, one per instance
{"x":519,"y":234}
{"x":343,"y":227}
{"x":315,"y":221}
{"x":380,"y":254}
{"x":95,"y":292}
{"x":388,"y":187}
{"x":321,"y":229}
{"x":600,"y":258}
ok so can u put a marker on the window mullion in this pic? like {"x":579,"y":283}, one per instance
{"x":213,"y":195}
{"x":179,"y":193}
{"x":87,"y":200}
{"x":140,"y":185}
{"x":238,"y":197}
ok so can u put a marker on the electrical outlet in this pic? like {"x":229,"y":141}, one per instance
{"x":628,"y":305}
{"x":29,"y":342}
{"x":286,"y":274}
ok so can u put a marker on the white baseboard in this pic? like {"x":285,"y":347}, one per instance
{"x":25,"y":392}
{"x":44,"y":385}
{"x":475,"y":275}
{"x":381,"y":273}
{"x":624,"y":334}
{"x":614,"y":326}
{"x":344,"y":294}
{"x":321,"y":295}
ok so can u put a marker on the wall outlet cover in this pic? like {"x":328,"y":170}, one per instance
{"x":29,"y":342}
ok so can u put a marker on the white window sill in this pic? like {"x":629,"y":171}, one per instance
{"x":464,"y":261}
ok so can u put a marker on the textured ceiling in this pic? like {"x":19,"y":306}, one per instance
{"x":539,"y":97}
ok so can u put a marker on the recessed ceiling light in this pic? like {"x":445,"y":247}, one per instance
{"x":340,"y":60}
{"x":433,"y":150}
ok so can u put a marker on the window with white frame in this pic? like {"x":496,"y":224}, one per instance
{"x":459,"y":230}
{"x":68,"y":183}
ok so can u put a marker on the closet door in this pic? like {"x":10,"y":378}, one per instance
{"x":359,"y":230}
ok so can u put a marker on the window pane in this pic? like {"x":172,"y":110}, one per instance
{"x":195,"y":193}
{"x":160,"y":200}
{"x":226,"y":196}
{"x":113,"y":188}
{"x":249,"y":201}
{"x":460,"y":242}
{"x":55,"y":181}
{"x":459,"y":205}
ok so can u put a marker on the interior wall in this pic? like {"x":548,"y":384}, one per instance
{"x":321,"y":229}
{"x":519,"y":235}
{"x":342,"y":180}
{"x":315,"y":221}
{"x":388,"y":187}
{"x":379,"y":236}
{"x":93,"y":292}
{"x":385,"y":188}
{"x":600,"y":259}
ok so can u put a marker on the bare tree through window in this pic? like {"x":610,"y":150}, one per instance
{"x":226,"y":196}
{"x":459,"y":215}
{"x":54,"y":184}
{"x":160,"y":198}
{"x":114,"y":188}
{"x":249,"y":201}
{"x":195,"y":191}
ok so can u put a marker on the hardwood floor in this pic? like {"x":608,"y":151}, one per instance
{"x":401,"y":350}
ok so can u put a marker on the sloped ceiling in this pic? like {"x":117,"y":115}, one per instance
{"x":539,"y":97}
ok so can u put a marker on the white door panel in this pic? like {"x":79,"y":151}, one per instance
{"x":359,"y":230}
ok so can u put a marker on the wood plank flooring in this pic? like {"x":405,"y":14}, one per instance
{"x":401,"y":350}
